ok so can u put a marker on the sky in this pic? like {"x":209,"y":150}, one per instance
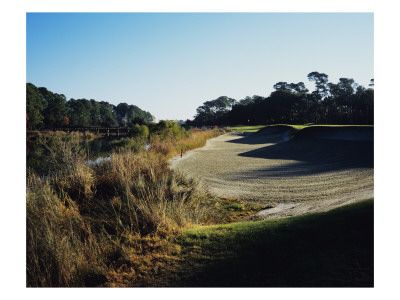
{"x":170,"y":63}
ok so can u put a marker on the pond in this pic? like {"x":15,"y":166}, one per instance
{"x":96,"y":151}
{"x":99,"y":150}
{"x":97,"y":147}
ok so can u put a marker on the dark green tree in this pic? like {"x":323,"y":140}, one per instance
{"x":35,"y":106}
{"x":56,"y":108}
{"x":45,"y":109}
{"x":282,"y":86}
{"x":122,"y":110}
{"x":321,"y":84}
{"x":138,"y":116}
{"x":107,"y":115}
{"x":298,"y":88}
{"x":95,"y":116}
{"x":80,"y":112}
{"x":214,"y":112}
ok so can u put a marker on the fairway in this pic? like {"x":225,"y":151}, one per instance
{"x":241,"y":128}
{"x":298,"y":176}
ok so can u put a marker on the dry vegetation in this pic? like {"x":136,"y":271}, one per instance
{"x":129,"y":221}
{"x":110,"y":224}
{"x":195,"y":139}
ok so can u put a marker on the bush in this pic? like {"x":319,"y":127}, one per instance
{"x":139,"y":131}
{"x":168,"y":130}
{"x":233,"y":206}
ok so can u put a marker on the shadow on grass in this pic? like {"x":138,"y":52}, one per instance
{"x":332,"y":249}
{"x":311,"y":157}
{"x":255,"y":139}
{"x":267,"y":135}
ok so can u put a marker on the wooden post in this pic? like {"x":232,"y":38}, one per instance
{"x":181,"y":153}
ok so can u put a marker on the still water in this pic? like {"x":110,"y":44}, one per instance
{"x":99,"y":150}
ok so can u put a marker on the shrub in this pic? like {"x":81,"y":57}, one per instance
{"x":233,"y":206}
{"x":139,"y":131}
{"x":168,"y":130}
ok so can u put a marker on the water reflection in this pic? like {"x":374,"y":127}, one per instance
{"x":98,"y":161}
{"x":96,"y":148}
{"x":99,"y":150}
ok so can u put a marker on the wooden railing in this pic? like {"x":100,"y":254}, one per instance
{"x":105,"y":131}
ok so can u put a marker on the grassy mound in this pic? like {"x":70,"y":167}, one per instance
{"x":364,"y":133}
{"x":274,"y":129}
{"x":245,"y":128}
{"x":341,"y":133}
{"x":331,"y":249}
{"x":338,"y":132}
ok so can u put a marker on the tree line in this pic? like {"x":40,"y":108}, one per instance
{"x":344,"y":102}
{"x":47,"y":110}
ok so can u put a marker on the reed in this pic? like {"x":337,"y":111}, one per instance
{"x":61,"y":249}
{"x":85,"y":223}
{"x":195,"y":139}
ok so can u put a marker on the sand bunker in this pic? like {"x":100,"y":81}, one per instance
{"x":302,"y":175}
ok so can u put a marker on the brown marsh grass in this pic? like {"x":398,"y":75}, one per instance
{"x":195,"y":139}
{"x":99,"y":225}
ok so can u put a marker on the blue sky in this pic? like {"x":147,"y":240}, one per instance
{"x":170,"y":63}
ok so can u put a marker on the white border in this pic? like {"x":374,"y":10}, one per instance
{"x":13,"y":74}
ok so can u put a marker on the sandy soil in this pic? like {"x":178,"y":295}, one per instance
{"x":299,"y":176}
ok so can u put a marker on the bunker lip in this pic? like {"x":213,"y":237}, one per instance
{"x":274,"y":129}
{"x":306,"y":174}
{"x":342,"y":133}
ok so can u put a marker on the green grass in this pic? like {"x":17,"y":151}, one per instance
{"x":255,"y":128}
{"x":332,"y":125}
{"x":331,"y":249}
{"x":232,"y":210}
{"x":297,"y":127}
{"x":234,"y":206}
{"x":246,"y":128}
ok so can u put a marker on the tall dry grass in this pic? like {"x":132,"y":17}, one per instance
{"x":86,"y":222}
{"x":145,"y":196}
{"x":61,"y":249}
{"x":195,"y":139}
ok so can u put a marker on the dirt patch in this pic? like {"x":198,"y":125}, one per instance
{"x":300,"y":176}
